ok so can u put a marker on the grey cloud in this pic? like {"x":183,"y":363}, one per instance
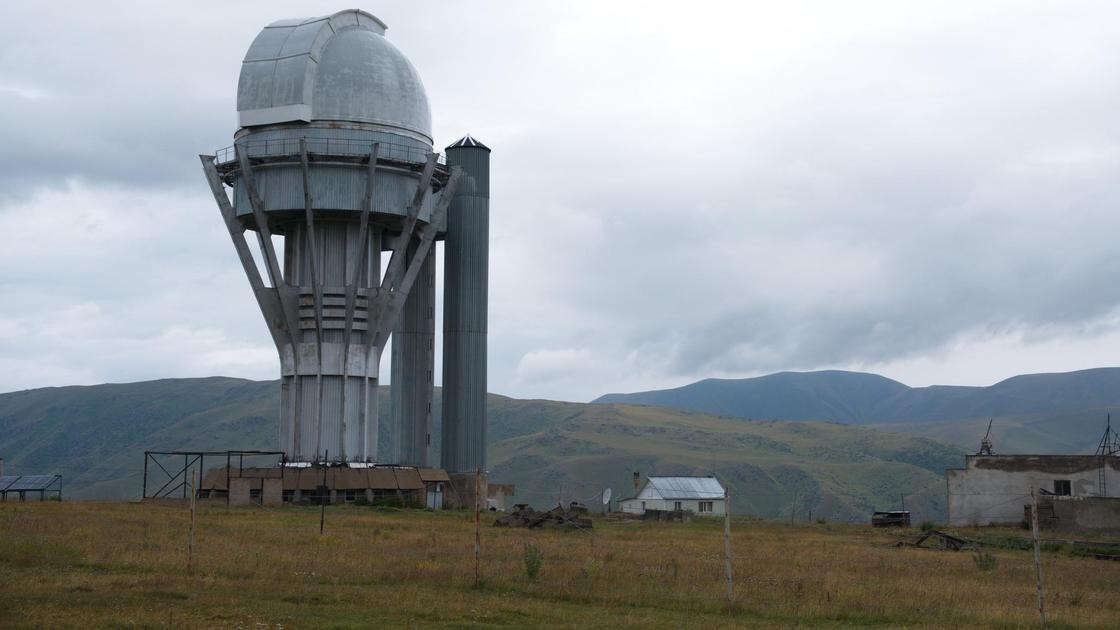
{"x":672,"y":198}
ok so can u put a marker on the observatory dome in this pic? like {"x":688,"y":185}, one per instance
{"x":332,"y":68}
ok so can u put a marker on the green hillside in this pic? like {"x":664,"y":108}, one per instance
{"x":772,"y":468}
{"x":1075,"y":431}
{"x":95,"y":436}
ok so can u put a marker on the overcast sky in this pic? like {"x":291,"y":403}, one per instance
{"x":925,"y":190}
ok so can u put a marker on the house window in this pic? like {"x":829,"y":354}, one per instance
{"x":1062,"y":487}
{"x":705,"y":506}
{"x":677,"y":506}
{"x":643,"y":506}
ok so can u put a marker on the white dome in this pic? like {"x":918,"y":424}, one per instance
{"x":337,"y":68}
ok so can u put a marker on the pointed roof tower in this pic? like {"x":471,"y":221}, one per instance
{"x":467,"y":141}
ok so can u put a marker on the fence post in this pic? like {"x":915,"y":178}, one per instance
{"x":727,"y":546}
{"x":190,"y":535}
{"x":1037,"y":558}
{"x":477,"y":522}
{"x":323,"y":499}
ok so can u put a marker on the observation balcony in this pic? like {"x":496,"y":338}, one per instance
{"x":320,"y":149}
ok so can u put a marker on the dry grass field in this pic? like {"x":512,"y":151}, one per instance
{"x":124,"y":565}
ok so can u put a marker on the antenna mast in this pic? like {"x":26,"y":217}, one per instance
{"x":986,"y":442}
{"x":1109,"y":446}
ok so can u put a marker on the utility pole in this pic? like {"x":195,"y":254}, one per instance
{"x":1037,"y":558}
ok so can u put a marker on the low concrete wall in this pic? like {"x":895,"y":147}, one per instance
{"x":1080,"y":514}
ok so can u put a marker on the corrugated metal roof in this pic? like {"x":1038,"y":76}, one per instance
{"x":303,"y":478}
{"x":382,"y":479}
{"x":467,"y":141}
{"x":675,"y":488}
{"x":347,"y":479}
{"x":408,"y":479}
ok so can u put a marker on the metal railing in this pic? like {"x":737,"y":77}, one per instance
{"x":342,"y":147}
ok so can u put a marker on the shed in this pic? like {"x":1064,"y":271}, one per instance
{"x":435,"y":480}
{"x":703,"y":496}
{"x":496,"y":494}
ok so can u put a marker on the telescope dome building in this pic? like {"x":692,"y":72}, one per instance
{"x":334,"y":199}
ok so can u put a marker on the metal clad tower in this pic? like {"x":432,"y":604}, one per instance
{"x":466,"y":264}
{"x":334,"y":160}
{"x":413,"y":365}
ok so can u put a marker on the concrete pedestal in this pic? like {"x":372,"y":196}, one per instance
{"x":239,"y":490}
{"x":272,"y":492}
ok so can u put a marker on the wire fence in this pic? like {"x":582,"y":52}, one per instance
{"x":340,"y":147}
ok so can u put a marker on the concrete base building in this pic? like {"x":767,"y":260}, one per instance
{"x":335,"y":485}
{"x":993,"y":489}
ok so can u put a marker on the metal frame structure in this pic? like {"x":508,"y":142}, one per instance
{"x":1109,"y":446}
{"x":22,"y":484}
{"x":177,"y":480}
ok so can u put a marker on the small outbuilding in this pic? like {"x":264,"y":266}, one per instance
{"x":993,"y":490}
{"x":703,"y":496}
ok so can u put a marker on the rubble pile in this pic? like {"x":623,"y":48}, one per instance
{"x":556,"y":518}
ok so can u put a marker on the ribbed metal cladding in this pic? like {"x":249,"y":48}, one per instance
{"x":413,"y":364}
{"x":321,"y":428}
{"x":466,"y":263}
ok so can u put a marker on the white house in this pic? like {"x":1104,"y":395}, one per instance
{"x":703,"y":496}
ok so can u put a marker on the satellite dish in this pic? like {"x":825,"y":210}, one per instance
{"x":606,"y":496}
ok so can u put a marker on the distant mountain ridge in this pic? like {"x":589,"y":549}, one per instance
{"x":848,"y":397}
{"x":862,"y":398}
{"x":95,"y":437}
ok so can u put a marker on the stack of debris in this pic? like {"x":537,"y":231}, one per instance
{"x":944,"y":541}
{"x":897,"y":518}
{"x":667,"y":516}
{"x":556,"y":518}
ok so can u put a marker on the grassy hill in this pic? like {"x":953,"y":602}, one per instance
{"x":1034,"y":413}
{"x":773,"y":468}
{"x":95,"y":436}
